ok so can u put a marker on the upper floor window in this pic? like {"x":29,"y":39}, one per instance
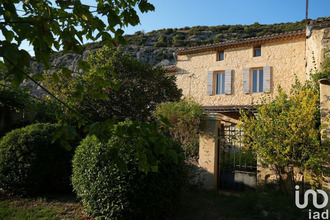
{"x":220,"y":83}
{"x":221,"y":55}
{"x":257,"y":51}
{"x":257,"y":80}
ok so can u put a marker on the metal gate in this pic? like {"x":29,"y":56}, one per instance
{"x":236,"y":169}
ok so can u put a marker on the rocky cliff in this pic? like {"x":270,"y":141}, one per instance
{"x":146,"y":54}
{"x":157,"y":47}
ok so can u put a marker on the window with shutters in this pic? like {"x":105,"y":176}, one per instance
{"x":220,"y":79}
{"x":219,"y":82}
{"x":256,"y":80}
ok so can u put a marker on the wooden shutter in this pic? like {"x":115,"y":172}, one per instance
{"x":267,"y":77}
{"x":246,"y":80}
{"x":210,"y":82}
{"x":228,"y":74}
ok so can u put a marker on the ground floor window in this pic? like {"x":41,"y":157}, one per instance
{"x":220,"y":83}
{"x":257,"y":80}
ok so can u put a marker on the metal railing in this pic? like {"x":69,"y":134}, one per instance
{"x":231,"y":157}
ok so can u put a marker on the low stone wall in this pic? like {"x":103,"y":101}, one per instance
{"x":197,"y":174}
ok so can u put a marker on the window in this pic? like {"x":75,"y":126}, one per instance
{"x":220,"y":83}
{"x":221,"y":55}
{"x":257,"y":80}
{"x":257,"y":51}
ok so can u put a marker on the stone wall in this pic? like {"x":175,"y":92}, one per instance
{"x":317,"y":47}
{"x":325,"y":104}
{"x":207,"y":152}
{"x":208,"y":149}
{"x":285,"y":57}
{"x":325,"y":120}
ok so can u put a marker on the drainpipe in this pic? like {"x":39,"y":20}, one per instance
{"x":309,"y":31}
{"x":175,"y":59}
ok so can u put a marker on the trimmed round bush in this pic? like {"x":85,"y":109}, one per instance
{"x":108,"y":192}
{"x":31,"y":165}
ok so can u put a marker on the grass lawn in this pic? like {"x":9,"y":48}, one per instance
{"x":198,"y":204}
{"x":52,"y":207}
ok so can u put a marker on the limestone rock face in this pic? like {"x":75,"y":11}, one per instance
{"x":145,"y":54}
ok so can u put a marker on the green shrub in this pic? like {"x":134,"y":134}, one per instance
{"x":160,"y":44}
{"x":118,"y":77}
{"x":109,"y":192}
{"x":31,"y":165}
{"x":185,"y":117}
{"x":19,"y":109}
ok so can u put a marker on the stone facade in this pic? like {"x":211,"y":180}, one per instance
{"x":325,"y":104}
{"x":317,"y":49}
{"x":317,"y":45}
{"x":283,"y":57}
{"x":325,"y":120}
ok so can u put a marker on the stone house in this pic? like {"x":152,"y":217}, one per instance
{"x":228,"y":76}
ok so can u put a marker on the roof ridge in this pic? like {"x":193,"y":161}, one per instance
{"x":319,"y":20}
{"x":269,"y":36}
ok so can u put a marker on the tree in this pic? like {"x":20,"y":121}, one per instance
{"x":130,"y":89}
{"x":64,"y":25}
{"x":185,"y":117}
{"x":285,"y":134}
{"x":178,"y":40}
{"x":18,"y":109}
{"x":60,"y":24}
{"x":161,"y":41}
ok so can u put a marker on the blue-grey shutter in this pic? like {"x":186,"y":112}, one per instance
{"x":210,"y":82}
{"x":246,"y":80}
{"x":267,"y":77}
{"x":228,"y":74}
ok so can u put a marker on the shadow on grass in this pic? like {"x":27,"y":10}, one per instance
{"x":202,"y":204}
{"x":196,"y":205}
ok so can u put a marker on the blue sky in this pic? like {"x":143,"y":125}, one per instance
{"x":182,"y":13}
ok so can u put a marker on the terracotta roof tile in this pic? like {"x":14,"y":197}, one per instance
{"x":240,"y":42}
{"x":319,"y":20}
{"x":228,"y":108}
